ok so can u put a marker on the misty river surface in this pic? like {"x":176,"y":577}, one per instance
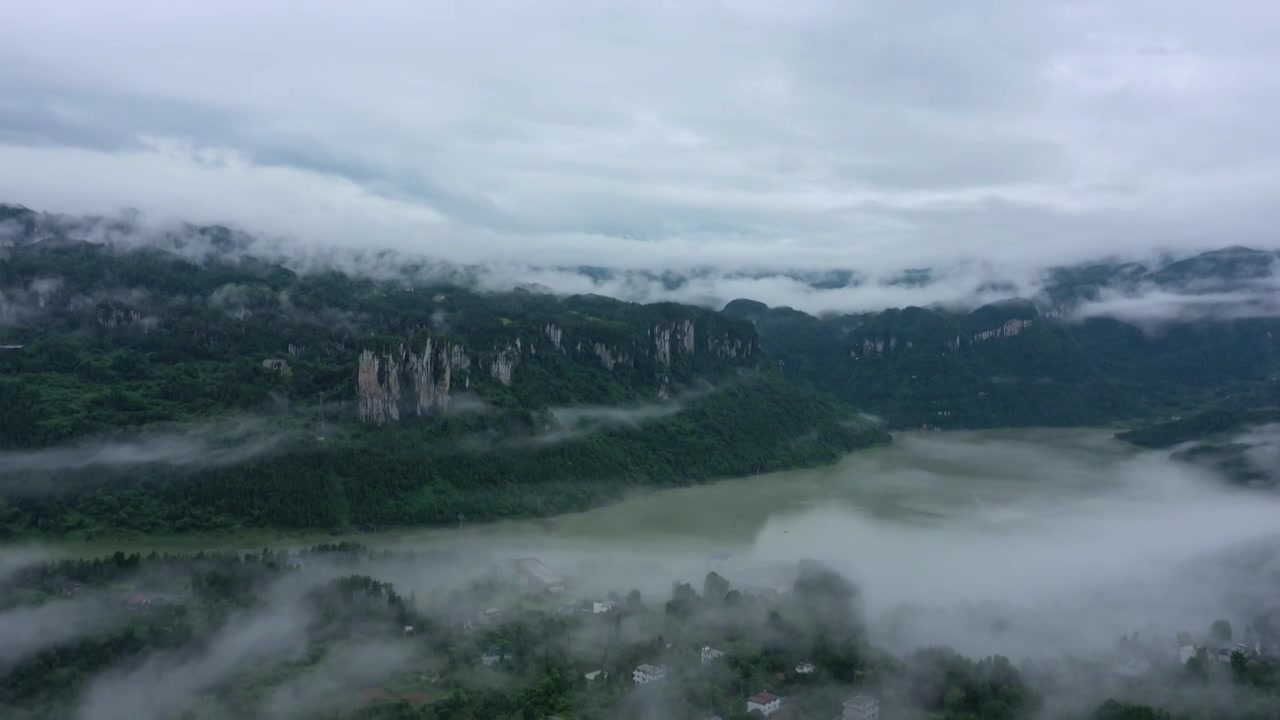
{"x":1008,"y":540}
{"x":1014,"y":541}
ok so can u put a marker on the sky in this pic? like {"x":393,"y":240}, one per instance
{"x":866,"y":134}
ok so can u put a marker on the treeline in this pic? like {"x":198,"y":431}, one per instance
{"x":1197,"y":427}
{"x":434,"y":472}
{"x":1007,"y":364}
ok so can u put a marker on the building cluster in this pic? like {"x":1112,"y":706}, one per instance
{"x":536,"y":578}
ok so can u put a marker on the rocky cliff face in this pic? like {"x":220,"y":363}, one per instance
{"x":392,"y":382}
{"x":429,"y":374}
{"x":377,"y":389}
{"x":1008,"y":329}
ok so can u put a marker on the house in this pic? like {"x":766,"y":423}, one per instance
{"x":139,"y":601}
{"x":806,"y":668}
{"x":860,"y":707}
{"x":276,"y":365}
{"x":1135,"y":667}
{"x":408,"y":629}
{"x":489,"y":615}
{"x":72,"y":589}
{"x":645,"y":674}
{"x":417,"y":697}
{"x":376,"y":695}
{"x":764,"y":703}
{"x":1186,"y":652}
{"x":595,"y":675}
{"x":1224,"y":654}
{"x":709,"y":653}
{"x":493,"y":656}
{"x":535,"y":576}
{"x":603,"y":607}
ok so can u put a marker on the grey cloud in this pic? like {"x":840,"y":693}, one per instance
{"x":166,"y":682}
{"x":183,"y":447}
{"x":1153,"y":307}
{"x":342,"y":673}
{"x":14,"y":560}
{"x":639,"y":133}
{"x":571,"y":416}
{"x":30,"y":629}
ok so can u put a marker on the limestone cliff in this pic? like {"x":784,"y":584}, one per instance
{"x":394,"y":381}
{"x":377,"y":389}
{"x":503,"y":366}
{"x":1007,"y":329}
{"x":430,"y":374}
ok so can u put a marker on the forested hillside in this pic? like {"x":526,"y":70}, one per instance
{"x":1019,"y":362}
{"x":176,"y":381}
{"x":147,"y":390}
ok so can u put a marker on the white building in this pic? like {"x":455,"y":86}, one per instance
{"x":764,"y":703}
{"x":645,"y":674}
{"x":709,"y":653}
{"x":603,"y":607}
{"x":860,"y":707}
{"x":806,"y":668}
{"x":493,"y":656}
{"x":537,"y":577}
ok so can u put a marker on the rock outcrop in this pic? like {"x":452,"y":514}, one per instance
{"x":401,"y":380}
{"x":504,"y":363}
{"x":876,"y":346}
{"x":1008,"y":329}
{"x":377,"y":389}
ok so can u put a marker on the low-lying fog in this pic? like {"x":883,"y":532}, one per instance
{"x":1031,"y":543}
{"x":1026,"y":543}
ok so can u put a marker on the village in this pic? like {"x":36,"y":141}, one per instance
{"x":674,"y":659}
{"x":713,"y":653}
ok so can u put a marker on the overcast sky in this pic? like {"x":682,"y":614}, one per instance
{"x":854,"y":133}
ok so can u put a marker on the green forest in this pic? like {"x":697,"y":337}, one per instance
{"x":1007,"y":364}
{"x":141,"y":397}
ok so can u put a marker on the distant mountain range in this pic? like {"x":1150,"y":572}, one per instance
{"x":1228,"y":281}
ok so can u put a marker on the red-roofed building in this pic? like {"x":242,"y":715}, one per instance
{"x":374,"y":695}
{"x":416,"y":698}
{"x":139,"y":601}
{"x":764,"y":703}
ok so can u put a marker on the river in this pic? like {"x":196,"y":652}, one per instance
{"x":969,"y":538}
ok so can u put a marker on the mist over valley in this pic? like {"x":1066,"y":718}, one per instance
{"x":866,"y":360}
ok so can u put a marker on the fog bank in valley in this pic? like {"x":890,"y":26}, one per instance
{"x":1030,"y":543}
{"x":1045,"y":545}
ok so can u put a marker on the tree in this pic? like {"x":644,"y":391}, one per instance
{"x":684,"y":599}
{"x":714,"y":587}
{"x":1239,"y":667}
{"x":1220,"y":631}
{"x":1114,"y":710}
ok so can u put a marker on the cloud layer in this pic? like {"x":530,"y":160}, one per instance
{"x":808,"y":134}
